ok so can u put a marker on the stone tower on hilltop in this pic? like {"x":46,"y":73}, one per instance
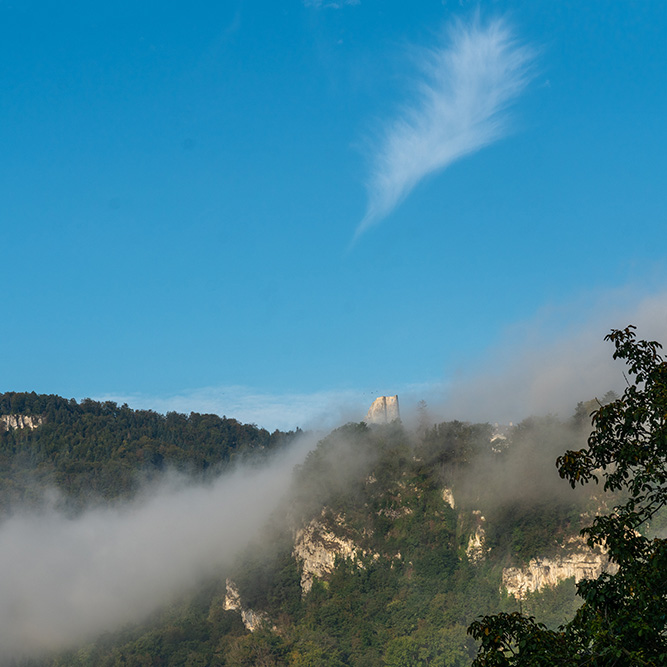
{"x":383,"y":411}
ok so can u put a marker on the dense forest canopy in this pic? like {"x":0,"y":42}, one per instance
{"x":102,"y":449}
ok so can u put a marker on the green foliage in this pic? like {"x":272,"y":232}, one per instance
{"x":554,"y":606}
{"x":262,"y":649}
{"x":518,"y":531}
{"x":105,"y":450}
{"x":453,"y":444}
{"x":623,"y":618}
{"x":333,"y":473}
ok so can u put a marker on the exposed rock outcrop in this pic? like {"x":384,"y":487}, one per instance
{"x":21,"y":421}
{"x":383,"y":411}
{"x":577,"y":560}
{"x":317,"y":546}
{"x":252,"y":620}
{"x":477,"y":549}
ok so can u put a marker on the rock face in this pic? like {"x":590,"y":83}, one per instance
{"x":581,"y":563}
{"x":251,"y":619}
{"x":21,"y":421}
{"x":383,"y":411}
{"x":316,"y":546}
{"x":477,"y":549}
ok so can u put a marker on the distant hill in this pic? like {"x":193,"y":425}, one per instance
{"x":103,"y":449}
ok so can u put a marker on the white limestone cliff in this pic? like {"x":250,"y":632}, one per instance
{"x":477,"y":549}
{"x":384,"y":410}
{"x":577,"y":560}
{"x":317,"y":546}
{"x":21,"y":421}
{"x":252,"y":620}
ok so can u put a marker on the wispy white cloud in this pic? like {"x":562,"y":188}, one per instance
{"x":463,"y":90}
{"x":321,"y":410}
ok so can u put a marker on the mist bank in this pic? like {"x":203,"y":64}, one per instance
{"x":66,"y":580}
{"x":550,"y":362}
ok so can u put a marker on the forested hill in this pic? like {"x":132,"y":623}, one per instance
{"x":388,"y":544}
{"x":103,"y":448}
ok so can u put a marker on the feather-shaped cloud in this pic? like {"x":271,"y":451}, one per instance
{"x":464,"y":88}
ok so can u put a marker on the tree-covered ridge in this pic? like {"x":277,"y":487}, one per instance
{"x":408,"y":598}
{"x":413,"y":588}
{"x":101,"y":448}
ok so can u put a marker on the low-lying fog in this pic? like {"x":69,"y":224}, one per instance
{"x":68,"y":579}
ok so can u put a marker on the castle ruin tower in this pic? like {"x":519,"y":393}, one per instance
{"x":383,"y":411}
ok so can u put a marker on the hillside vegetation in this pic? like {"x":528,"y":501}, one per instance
{"x":389,"y":545}
{"x":100,"y":450}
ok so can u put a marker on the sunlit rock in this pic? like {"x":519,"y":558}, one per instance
{"x":448,"y":497}
{"x":383,"y":411}
{"x":477,"y":549}
{"x":581,"y":563}
{"x":317,"y":546}
{"x":21,"y":421}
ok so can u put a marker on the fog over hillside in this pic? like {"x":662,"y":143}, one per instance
{"x":68,"y":579}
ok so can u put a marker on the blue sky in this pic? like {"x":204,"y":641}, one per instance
{"x":274,"y":210}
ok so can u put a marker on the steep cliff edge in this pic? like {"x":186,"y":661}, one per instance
{"x":576,"y":560}
{"x":317,"y":546}
{"x":252,"y":620}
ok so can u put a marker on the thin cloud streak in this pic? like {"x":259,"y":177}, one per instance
{"x":321,"y":4}
{"x":322,"y":410}
{"x":465,"y":88}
